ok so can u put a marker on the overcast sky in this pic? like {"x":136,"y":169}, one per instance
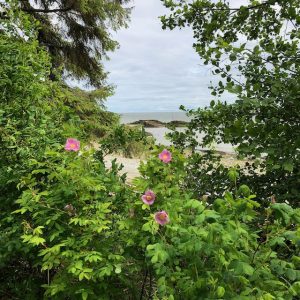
{"x":155,"y":69}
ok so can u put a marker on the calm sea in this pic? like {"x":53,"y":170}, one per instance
{"x":160,"y":116}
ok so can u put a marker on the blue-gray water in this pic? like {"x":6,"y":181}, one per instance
{"x":160,"y":116}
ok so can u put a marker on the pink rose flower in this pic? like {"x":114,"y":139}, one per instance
{"x":162,"y":217}
{"x":165,"y":156}
{"x":72,"y":145}
{"x":149,"y":197}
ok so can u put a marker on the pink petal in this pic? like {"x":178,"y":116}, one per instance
{"x":162,"y":217}
{"x":149,"y":197}
{"x":72,"y":145}
{"x":165,"y":156}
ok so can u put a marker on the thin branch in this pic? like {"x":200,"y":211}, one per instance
{"x":150,"y":288}
{"x":3,"y":16}
{"x":232,"y":78}
{"x":28,"y":8}
{"x":143,"y":286}
{"x":270,"y":62}
{"x":48,"y":11}
{"x":237,"y":9}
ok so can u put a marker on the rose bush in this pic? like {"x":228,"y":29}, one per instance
{"x":90,"y":234}
{"x":212,"y":251}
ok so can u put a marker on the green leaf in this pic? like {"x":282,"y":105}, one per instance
{"x":233,"y":175}
{"x":84,"y":295}
{"x":283,"y":211}
{"x":118,"y":269}
{"x":288,"y":166}
{"x":220,"y":291}
{"x":36,"y":240}
{"x":81,"y":276}
{"x":291,"y":274}
{"x":243,"y":268}
{"x":268,"y":296}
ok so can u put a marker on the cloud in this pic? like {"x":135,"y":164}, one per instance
{"x":155,"y":69}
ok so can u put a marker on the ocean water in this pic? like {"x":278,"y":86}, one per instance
{"x":160,"y":116}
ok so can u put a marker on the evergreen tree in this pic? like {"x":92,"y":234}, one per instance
{"x":77,"y":33}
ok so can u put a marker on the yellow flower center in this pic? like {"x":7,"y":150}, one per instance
{"x":165,"y":156}
{"x":162,"y":217}
{"x":72,"y":145}
{"x":148,"y":197}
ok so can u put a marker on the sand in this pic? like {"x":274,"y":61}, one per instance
{"x":131,"y":164}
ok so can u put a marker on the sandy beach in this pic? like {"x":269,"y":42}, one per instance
{"x":130,"y":165}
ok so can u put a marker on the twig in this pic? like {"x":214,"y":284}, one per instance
{"x":150,"y":287}
{"x":143,"y":286}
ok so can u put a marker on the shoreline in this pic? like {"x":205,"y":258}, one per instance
{"x":157,"y":123}
{"x":164,"y":117}
{"x":158,"y":130}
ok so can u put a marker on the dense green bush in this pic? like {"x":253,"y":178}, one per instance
{"x":35,"y":117}
{"x":70,"y":211}
{"x":95,"y":237}
{"x":31,"y":118}
{"x":130,"y":141}
{"x":227,"y":250}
